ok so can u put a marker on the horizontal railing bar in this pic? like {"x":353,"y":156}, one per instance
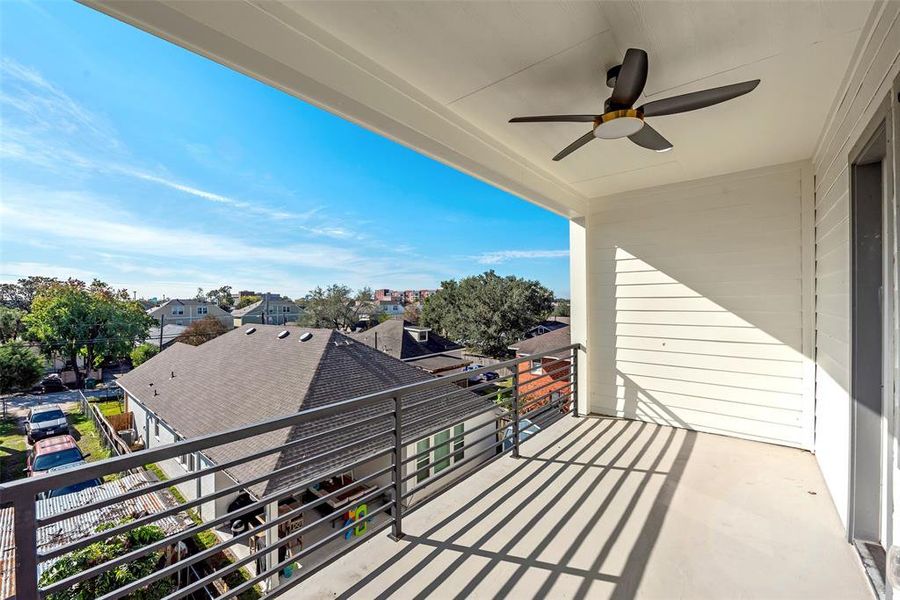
{"x":97,"y":469}
{"x":102,"y":568}
{"x":159,"y":574}
{"x":451,"y":453}
{"x":521,"y":394}
{"x":315,"y":546}
{"x":455,"y":438}
{"x":167,"y":483}
{"x":278,"y":521}
{"x":107,"y":533}
{"x":309,"y":572}
{"x":430,"y":432}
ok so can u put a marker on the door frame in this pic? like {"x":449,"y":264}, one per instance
{"x":882,"y":118}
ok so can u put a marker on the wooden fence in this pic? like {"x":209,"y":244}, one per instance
{"x":108,"y":426}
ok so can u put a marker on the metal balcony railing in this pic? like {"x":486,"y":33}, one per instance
{"x":390,"y":423}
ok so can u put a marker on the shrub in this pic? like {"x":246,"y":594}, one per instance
{"x":143,"y":353}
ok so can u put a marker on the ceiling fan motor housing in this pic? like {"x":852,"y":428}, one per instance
{"x":617,"y":124}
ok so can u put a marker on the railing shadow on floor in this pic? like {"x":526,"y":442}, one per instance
{"x":587,"y":453}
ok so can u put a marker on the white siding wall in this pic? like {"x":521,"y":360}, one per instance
{"x":870,"y":80}
{"x":695,"y":301}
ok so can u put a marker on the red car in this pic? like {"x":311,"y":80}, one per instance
{"x":53,"y":452}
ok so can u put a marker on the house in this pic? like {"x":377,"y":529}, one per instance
{"x":165,"y":336}
{"x":551,"y":324}
{"x":184,"y":393}
{"x":389,"y":308}
{"x":548,"y":378}
{"x":271,"y":309}
{"x":186,"y":311}
{"x":418,"y":346}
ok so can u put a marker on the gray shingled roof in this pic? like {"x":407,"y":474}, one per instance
{"x":393,"y":339}
{"x":551,"y":340}
{"x":238,"y":379}
{"x":240,"y":312}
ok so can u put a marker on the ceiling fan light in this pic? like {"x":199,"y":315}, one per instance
{"x":618,"y":124}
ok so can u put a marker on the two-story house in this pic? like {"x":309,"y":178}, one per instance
{"x":272,"y":309}
{"x":185,"y":311}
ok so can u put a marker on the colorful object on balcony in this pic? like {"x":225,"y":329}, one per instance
{"x":357,"y":515}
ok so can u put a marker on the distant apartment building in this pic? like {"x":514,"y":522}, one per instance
{"x":186,"y":311}
{"x":271,"y":309}
{"x":404,"y":297}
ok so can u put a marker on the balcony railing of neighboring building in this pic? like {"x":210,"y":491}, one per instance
{"x":381,"y":427}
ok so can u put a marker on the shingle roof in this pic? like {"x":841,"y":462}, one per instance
{"x":240,"y":312}
{"x":393,"y":339}
{"x":551,"y":340}
{"x":238,"y":379}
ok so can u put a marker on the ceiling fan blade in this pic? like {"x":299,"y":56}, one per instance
{"x":695,"y":100}
{"x":575,"y":145}
{"x":556,"y":119}
{"x":631,"y":78}
{"x":650,"y":138}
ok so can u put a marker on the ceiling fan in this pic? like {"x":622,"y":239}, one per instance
{"x":620,"y":119}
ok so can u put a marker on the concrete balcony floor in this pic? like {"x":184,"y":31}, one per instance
{"x":608,"y":508}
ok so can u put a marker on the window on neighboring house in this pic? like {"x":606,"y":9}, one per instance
{"x":156,"y":427}
{"x":422,"y":336}
{"x":444,"y":452}
{"x":202,"y":310}
{"x":535,"y":367}
{"x":177,"y":310}
{"x":285,"y":309}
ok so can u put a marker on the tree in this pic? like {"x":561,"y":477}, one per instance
{"x":143,"y":353}
{"x":561,"y":309}
{"x":202,"y":331}
{"x":22,"y":293}
{"x":10,"y":323}
{"x":199,"y":295}
{"x":20,"y":368}
{"x":412,"y":313}
{"x":336,"y":307}
{"x":221,"y":297}
{"x":487,"y":312}
{"x":247,"y":301}
{"x":95,"y":322}
{"x":103,"y":551}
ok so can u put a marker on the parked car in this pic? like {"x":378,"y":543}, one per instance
{"x":70,"y":489}
{"x":52,"y":383}
{"x":45,"y":421}
{"x":479,"y":377}
{"x":53,"y":452}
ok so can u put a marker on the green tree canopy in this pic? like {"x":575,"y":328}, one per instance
{"x":143,"y":353}
{"x":20,"y":368}
{"x":221,"y":297}
{"x":94,"y":321}
{"x":487,"y":312}
{"x":336,"y":307}
{"x":202,"y":331}
{"x":562,"y":308}
{"x":10,"y":323}
{"x":247,"y":301}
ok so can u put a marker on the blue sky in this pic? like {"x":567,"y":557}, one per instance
{"x":127,"y":158}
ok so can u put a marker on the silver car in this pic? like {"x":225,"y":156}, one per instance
{"x":45,"y":421}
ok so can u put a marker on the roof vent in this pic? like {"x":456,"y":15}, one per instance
{"x":306,"y":336}
{"x":249,"y":331}
{"x":284,"y":334}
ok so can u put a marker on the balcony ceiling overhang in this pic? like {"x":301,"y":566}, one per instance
{"x":445,"y":77}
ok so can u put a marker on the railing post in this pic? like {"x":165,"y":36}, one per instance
{"x":26,"y":546}
{"x":515,"y":403}
{"x":575,"y":382}
{"x":397,"y":533}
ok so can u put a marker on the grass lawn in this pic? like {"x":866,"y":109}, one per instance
{"x":87,"y":436}
{"x":12,"y":450}
{"x":109,"y":407}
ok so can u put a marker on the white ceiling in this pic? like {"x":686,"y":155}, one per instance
{"x":445,"y":77}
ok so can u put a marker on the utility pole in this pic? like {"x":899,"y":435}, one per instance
{"x":162,"y":324}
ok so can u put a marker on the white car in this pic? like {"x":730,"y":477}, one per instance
{"x":45,"y":421}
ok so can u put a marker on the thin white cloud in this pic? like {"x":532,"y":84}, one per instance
{"x":502,"y":256}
